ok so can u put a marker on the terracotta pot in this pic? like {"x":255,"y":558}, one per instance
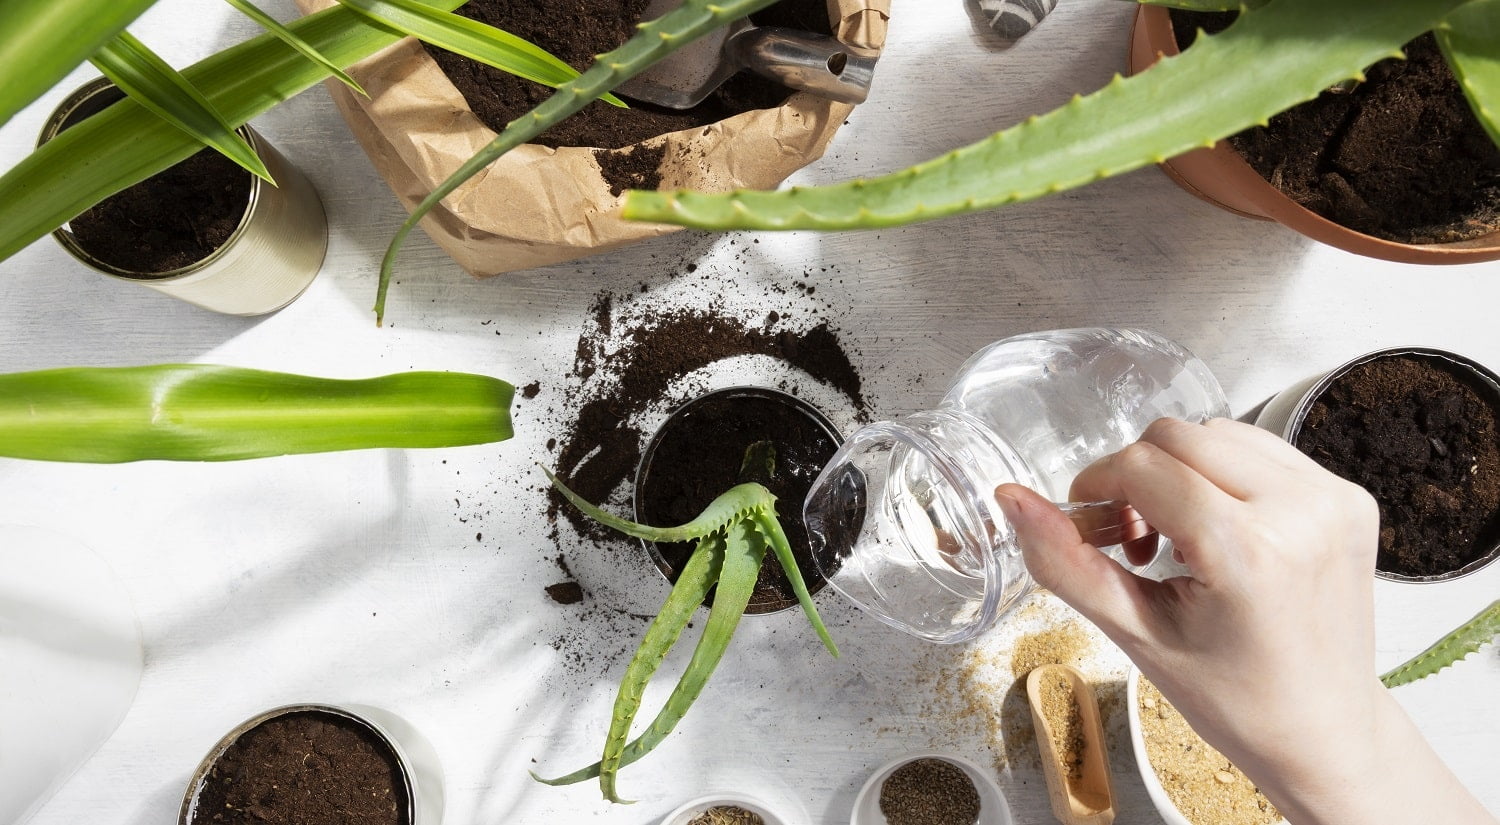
{"x":1221,"y":177}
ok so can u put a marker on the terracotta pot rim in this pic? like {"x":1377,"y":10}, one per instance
{"x":1232,"y":178}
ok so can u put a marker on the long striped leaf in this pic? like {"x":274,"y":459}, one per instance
{"x":43,"y":40}
{"x":472,"y":39}
{"x":125,"y":144}
{"x":195,"y":412}
{"x":275,"y":27}
{"x":143,"y":75}
{"x":1470,"y":39}
{"x":1269,"y":60}
{"x":652,"y":41}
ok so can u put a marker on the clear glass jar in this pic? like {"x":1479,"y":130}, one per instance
{"x":903,"y":520}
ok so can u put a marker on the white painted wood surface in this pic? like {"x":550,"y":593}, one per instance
{"x":413,"y":581}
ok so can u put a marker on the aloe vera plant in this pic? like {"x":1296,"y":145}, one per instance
{"x":1276,"y":55}
{"x":732,"y":535}
{"x":198,"y":412}
{"x":1463,"y":640}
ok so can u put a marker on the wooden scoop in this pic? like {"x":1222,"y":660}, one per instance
{"x":1087,"y":796}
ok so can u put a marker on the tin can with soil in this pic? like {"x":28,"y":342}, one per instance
{"x":269,"y":258}
{"x":1457,"y":426}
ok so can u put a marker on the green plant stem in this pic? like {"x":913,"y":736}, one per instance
{"x":1269,"y":60}
{"x":653,"y":41}
{"x":196,"y":412}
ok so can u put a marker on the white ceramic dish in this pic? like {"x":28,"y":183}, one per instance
{"x":1158,"y":794}
{"x":688,"y":811}
{"x":993,"y":809}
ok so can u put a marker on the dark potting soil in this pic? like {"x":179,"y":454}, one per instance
{"x":626,"y":371}
{"x":637,"y":167}
{"x":698,"y":456}
{"x":170,"y":220}
{"x":1425,"y":442}
{"x":1401,"y":156}
{"x":578,"y":30}
{"x":309,"y":768}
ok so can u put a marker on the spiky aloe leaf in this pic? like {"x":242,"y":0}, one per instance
{"x":125,"y":144}
{"x":653,"y":40}
{"x":738,"y":502}
{"x":1465,"y":639}
{"x":1269,"y":60}
{"x":201,"y":412}
{"x":771,"y":533}
{"x":1470,"y":40}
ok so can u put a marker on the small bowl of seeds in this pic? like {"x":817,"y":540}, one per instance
{"x":930,"y":789}
{"x":723,"y":809}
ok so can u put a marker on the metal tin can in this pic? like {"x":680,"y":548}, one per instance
{"x":270,"y":258}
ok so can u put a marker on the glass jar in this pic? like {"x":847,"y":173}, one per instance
{"x":903,"y":520}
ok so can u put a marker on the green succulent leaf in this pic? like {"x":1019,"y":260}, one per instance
{"x":733,"y":534}
{"x":472,"y":39}
{"x":275,"y":27}
{"x":1269,"y":60}
{"x":196,"y":412}
{"x":1470,"y":40}
{"x":1206,"y":5}
{"x":1463,"y":640}
{"x":143,"y":75}
{"x":125,"y":144}
{"x":653,"y":41}
{"x":43,"y":40}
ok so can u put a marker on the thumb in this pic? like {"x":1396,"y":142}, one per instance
{"x":1061,"y":561}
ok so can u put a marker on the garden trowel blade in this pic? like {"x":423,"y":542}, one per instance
{"x":685,"y":77}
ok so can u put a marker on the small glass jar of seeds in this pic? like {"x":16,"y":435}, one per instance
{"x":903,"y":520}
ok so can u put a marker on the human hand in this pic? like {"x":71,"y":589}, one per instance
{"x":1268,"y":648}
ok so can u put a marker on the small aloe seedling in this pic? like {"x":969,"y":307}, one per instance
{"x":732,"y":536}
{"x":1463,"y":640}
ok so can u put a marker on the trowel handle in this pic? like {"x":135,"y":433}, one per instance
{"x":817,"y":63}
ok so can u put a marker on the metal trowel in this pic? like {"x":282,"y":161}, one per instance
{"x":816,"y":63}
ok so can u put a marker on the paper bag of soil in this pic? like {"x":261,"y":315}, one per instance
{"x":538,"y":205}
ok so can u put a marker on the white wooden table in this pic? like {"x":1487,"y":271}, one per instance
{"x":413,"y":581}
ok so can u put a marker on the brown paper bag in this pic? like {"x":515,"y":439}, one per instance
{"x":538,"y":205}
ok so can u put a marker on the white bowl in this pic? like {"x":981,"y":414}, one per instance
{"x":1154,"y":789}
{"x":685,"y":814}
{"x":992,"y":807}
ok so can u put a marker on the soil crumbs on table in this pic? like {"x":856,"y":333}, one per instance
{"x":1400,"y":156}
{"x":578,"y":30}
{"x":1204,"y":786}
{"x":170,"y":220}
{"x":727,"y":815}
{"x":309,"y":768}
{"x":929,"y":791}
{"x":1426,"y":445}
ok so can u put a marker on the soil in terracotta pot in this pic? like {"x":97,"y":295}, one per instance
{"x":170,"y":220}
{"x":578,"y":30}
{"x":310,"y":768}
{"x":1400,"y":157}
{"x":1423,"y":438}
{"x":698,"y":456}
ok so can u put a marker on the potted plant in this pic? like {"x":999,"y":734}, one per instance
{"x":552,"y":202}
{"x":169,"y":116}
{"x":731,"y":537}
{"x":1221,"y":175}
{"x":1278,"y":54}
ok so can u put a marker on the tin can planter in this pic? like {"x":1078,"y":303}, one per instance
{"x":1417,"y":428}
{"x":697,"y":454}
{"x":268,"y":257}
{"x":1220,"y":176}
{"x":317,"y":764}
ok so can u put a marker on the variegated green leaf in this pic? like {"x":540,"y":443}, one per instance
{"x":43,"y":40}
{"x":149,"y":80}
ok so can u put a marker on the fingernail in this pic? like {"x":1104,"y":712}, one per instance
{"x":1009,"y":504}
